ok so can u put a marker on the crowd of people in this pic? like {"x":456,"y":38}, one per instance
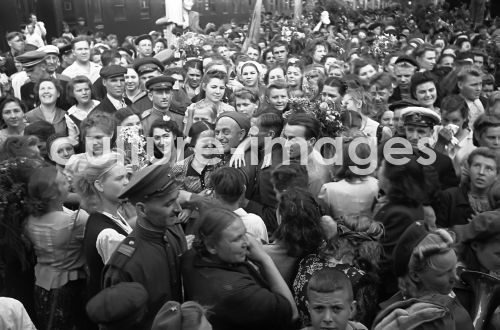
{"x":334,"y":173}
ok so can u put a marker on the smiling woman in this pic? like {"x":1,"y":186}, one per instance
{"x":11,"y":118}
{"x":48,"y":91}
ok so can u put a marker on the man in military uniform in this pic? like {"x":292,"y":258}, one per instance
{"x":160,"y":92}
{"x":113,"y":79}
{"x":419,"y":124}
{"x":150,"y":255}
{"x":146,"y":69}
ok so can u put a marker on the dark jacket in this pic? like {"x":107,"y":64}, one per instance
{"x":238,"y":296}
{"x":107,"y":106}
{"x":151,"y":258}
{"x":396,"y":219}
{"x":452,"y":207}
{"x":444,"y":167}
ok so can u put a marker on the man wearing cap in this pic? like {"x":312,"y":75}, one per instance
{"x":397,"y":107}
{"x":144,"y":46}
{"x":405,"y":67}
{"x":146,"y":69}
{"x":35,"y":65}
{"x":419,"y":124}
{"x":150,"y":254}
{"x":160,"y":93}
{"x":113,"y":80}
{"x":52,"y":61}
{"x":82,"y":65}
{"x":66,"y":57}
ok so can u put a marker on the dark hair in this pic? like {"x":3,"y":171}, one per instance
{"x":56,"y":83}
{"x":329,"y":280}
{"x":101,"y":120}
{"x":310,"y":123}
{"x":336,"y":82}
{"x":300,"y":230}
{"x":9,"y":99}
{"x":41,"y":129}
{"x":170,"y":126}
{"x":264,"y":53}
{"x":484,"y":152}
{"x":382,"y":80}
{"x":274,"y":67}
{"x":79,"y":39}
{"x":422,"y":49}
{"x":454,"y":102}
{"x":163,"y":41}
{"x":271,"y":121}
{"x":361,"y":63}
{"x":196,"y":129}
{"x":228,"y":183}
{"x":482,"y":123}
{"x":195,"y":64}
{"x":108,"y":56}
{"x":212,"y":223}
{"x":209,"y":75}
{"x":11,"y":35}
{"x":288,"y":176}
{"x":279,"y":43}
{"x":70,"y":96}
{"x":122,"y":114}
{"x":420,"y":78}
{"x":42,"y":189}
{"x":171,"y":71}
{"x":362,"y":151}
{"x":19,"y":146}
{"x":248,"y":94}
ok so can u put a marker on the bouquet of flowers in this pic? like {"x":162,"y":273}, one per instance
{"x":382,"y":46}
{"x":327,"y":113}
{"x":190,"y":43}
{"x":133,"y":143}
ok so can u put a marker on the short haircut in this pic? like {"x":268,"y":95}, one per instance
{"x":122,"y":114}
{"x":169,"y":125}
{"x":101,"y":120}
{"x":310,"y":123}
{"x":271,"y":121}
{"x":276,"y":66}
{"x":41,"y":129}
{"x":454,"y":102}
{"x":79,"y":39}
{"x":481,"y":124}
{"x":228,"y":183}
{"x":279,"y":84}
{"x":70,"y":96}
{"x":108,"y":55}
{"x":468,"y":71}
{"x":329,"y":280}
{"x":247,"y":94}
{"x":361,"y":63}
{"x":195,"y":64}
{"x":341,"y":84}
{"x":279,"y":43}
{"x":56,"y":83}
{"x":420,"y":51}
{"x":288,"y":176}
{"x":171,"y":71}
{"x":382,"y":80}
{"x":484,"y":152}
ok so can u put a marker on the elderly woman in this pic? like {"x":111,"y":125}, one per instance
{"x":218,"y":272}
{"x":353,"y":247}
{"x":425,"y":264}
{"x":57,"y":236}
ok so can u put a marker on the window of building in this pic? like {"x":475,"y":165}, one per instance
{"x":145,"y":9}
{"x":68,"y":5}
{"x":97,"y":10}
{"x":119,"y":11}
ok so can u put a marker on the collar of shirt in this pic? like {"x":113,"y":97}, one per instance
{"x":117,"y":103}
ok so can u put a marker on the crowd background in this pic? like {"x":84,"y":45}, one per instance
{"x":115,"y":214}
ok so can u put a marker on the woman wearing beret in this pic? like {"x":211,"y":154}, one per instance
{"x":425,"y":264}
{"x":219,"y":272}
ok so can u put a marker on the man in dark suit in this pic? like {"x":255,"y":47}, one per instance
{"x":113,"y":79}
{"x":419,"y":123}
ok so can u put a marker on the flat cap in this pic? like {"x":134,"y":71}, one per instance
{"x":119,"y":307}
{"x":65,"y":49}
{"x":142,"y":37}
{"x":160,"y":82}
{"x":111,"y":71}
{"x":420,"y":116}
{"x":407,"y":59}
{"x":407,"y":242}
{"x":483,"y":226}
{"x":242,"y":120}
{"x":49,"y":49}
{"x":31,"y":58}
{"x":168,"y":317}
{"x":148,"y":182}
{"x":146,"y":65}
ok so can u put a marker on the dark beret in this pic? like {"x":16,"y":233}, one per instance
{"x":31,"y":58}
{"x":149,"y":181}
{"x":142,"y":37}
{"x":147,"y":64}
{"x":120,"y":306}
{"x":242,"y":120}
{"x":407,"y":59}
{"x":169,"y":317}
{"x":411,"y":237}
{"x":111,"y":71}
{"x":160,"y":82}
{"x":483,"y":226}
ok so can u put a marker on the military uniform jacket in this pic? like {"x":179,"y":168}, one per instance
{"x":152,"y":259}
{"x":149,"y":116}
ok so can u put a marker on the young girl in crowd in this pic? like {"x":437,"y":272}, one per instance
{"x":79,"y":94}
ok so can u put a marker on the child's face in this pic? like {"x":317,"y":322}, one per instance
{"x":205,"y":114}
{"x":330,"y":310}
